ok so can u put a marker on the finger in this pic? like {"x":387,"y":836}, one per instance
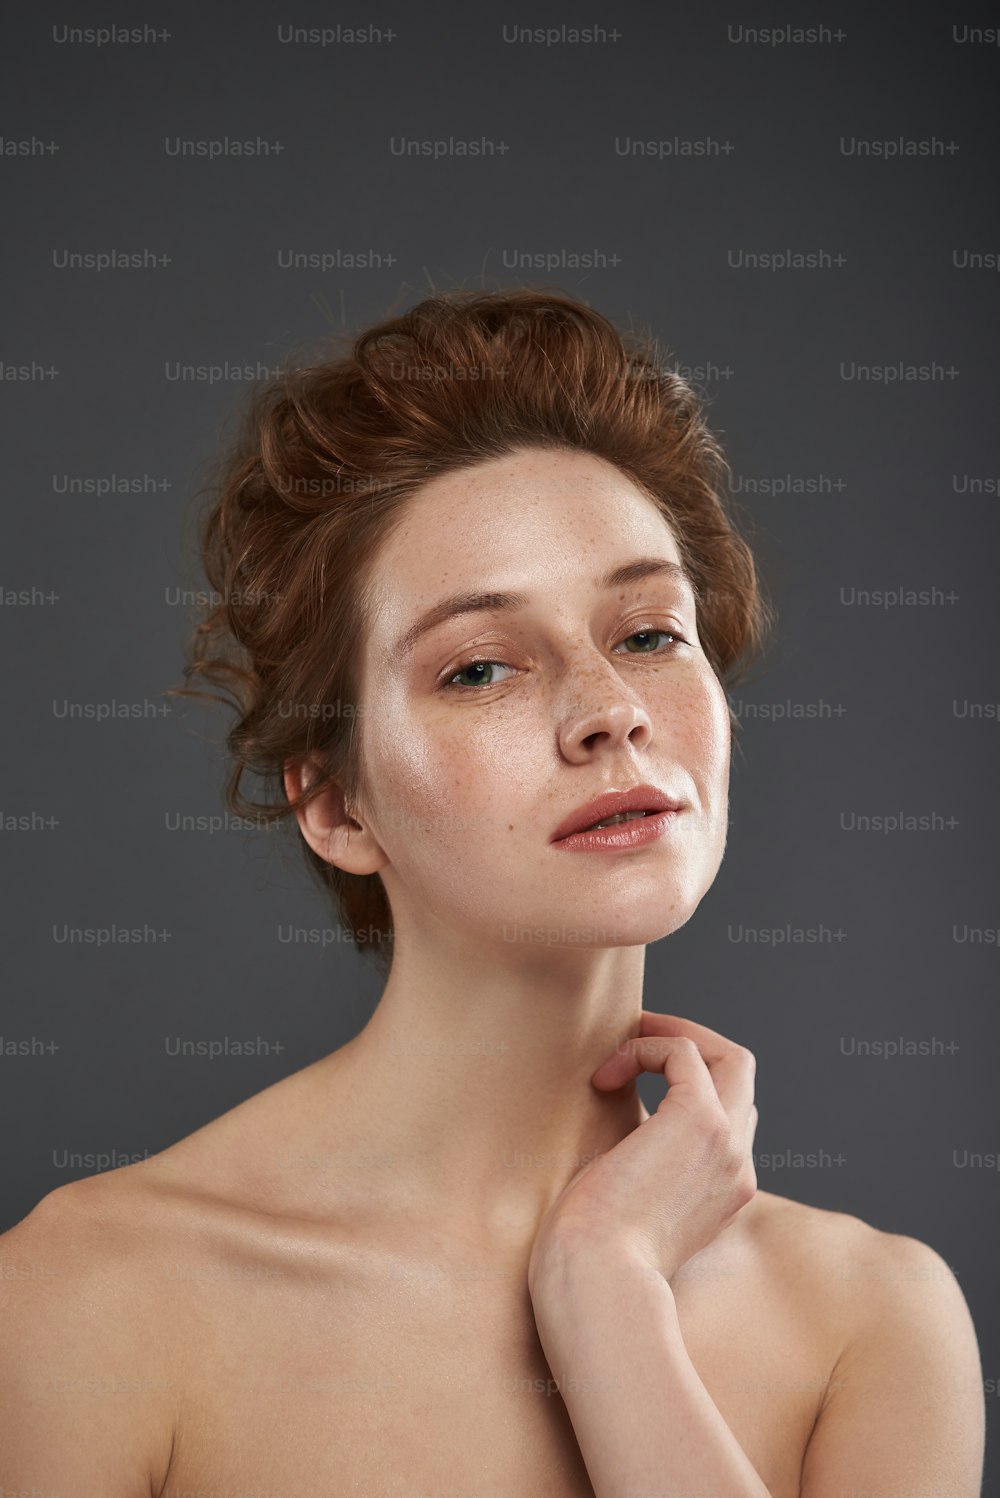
{"x":653,"y":1023}
{"x":710,"y":1043}
{"x":674,"y":1057}
{"x":731,"y":1066}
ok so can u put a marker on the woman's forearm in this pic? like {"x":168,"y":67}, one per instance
{"x":645,"y":1423}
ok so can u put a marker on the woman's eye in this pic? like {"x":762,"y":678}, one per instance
{"x":474,"y":666}
{"x":646,"y":634}
{"x":484,"y":671}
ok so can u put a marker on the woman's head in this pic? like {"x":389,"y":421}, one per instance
{"x":508,"y":442}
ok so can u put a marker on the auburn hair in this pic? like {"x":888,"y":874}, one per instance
{"x":324,"y":462}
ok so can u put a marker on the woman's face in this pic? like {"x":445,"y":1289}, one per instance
{"x":470,"y":768}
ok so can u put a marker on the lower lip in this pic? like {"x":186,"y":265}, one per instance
{"x":623,"y":835}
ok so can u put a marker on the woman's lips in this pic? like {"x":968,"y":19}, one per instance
{"x":644,"y":798}
{"x":634,"y":833}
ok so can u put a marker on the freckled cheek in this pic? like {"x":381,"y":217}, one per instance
{"x":695,"y":717}
{"x":403,"y":760}
{"x":438,"y":772}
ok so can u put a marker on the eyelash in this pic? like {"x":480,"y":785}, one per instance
{"x":449,"y":685}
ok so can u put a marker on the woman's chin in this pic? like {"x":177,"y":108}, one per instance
{"x":630,"y":929}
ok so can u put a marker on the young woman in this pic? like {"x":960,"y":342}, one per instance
{"x":480,"y":600}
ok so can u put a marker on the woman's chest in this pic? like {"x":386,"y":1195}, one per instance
{"x":430,"y":1382}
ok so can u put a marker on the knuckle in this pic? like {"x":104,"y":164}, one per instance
{"x":729,"y":1147}
{"x":720,"y":1137}
{"x":748,"y":1058}
{"x":746,"y":1185}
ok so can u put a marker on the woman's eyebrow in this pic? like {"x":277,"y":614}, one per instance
{"x":473,"y":603}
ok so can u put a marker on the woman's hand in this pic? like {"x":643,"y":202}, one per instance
{"x":671,"y":1186}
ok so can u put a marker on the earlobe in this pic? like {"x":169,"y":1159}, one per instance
{"x":350,"y":847}
{"x":348,"y":843}
{"x":327,"y":823}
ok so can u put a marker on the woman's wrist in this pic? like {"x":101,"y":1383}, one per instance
{"x":609,"y":1328}
{"x":566,"y":1268}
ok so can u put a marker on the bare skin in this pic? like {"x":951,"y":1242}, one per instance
{"x":325,"y":1290}
{"x":299,"y":1339}
{"x":216,"y":1320}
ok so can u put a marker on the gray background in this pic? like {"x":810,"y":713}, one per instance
{"x":895,"y":509}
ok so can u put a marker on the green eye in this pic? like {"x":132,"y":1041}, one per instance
{"x":477,"y":666}
{"x":490,"y":680}
{"x":647,"y":633}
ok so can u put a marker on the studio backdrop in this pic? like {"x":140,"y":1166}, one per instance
{"x":806,"y":217}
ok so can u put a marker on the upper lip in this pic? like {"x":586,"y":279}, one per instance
{"x":636,"y":798}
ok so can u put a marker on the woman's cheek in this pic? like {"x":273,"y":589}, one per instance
{"x":710,"y":721}
{"x":434,"y":787}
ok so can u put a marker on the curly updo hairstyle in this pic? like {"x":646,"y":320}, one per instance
{"x":327,"y":457}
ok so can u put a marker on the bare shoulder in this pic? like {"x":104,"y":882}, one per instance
{"x":842,"y":1245}
{"x":76,"y":1243}
{"x":905,"y":1395}
{"x":92,"y":1226}
{"x":84,"y":1381}
{"x":849,"y":1263}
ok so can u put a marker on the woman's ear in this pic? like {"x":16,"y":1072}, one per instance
{"x":327,"y":825}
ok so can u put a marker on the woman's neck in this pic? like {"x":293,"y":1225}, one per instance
{"x":473,"y":1080}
